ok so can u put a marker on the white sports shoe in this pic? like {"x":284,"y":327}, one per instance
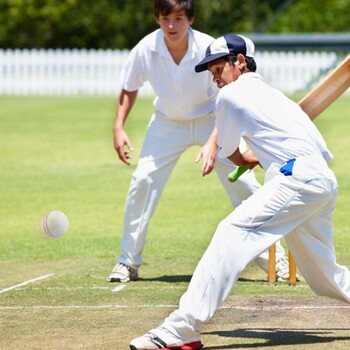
{"x":282,"y":270}
{"x":122,"y":273}
{"x":161,"y":338}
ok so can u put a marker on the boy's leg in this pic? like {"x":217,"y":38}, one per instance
{"x":240,"y":190}
{"x":313,"y":250}
{"x":163,"y":145}
{"x":276,"y":209}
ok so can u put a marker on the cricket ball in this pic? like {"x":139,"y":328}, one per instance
{"x":55,"y":224}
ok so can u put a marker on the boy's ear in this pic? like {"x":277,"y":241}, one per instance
{"x":156,"y":19}
{"x":190,"y":21}
{"x":242,"y":63}
{"x":241,"y":58}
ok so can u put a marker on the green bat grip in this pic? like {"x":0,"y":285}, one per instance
{"x":235,"y":174}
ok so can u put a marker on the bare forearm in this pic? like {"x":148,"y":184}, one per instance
{"x":122,"y":143}
{"x":213,"y":139}
{"x":246,"y":158}
{"x":125,"y":103}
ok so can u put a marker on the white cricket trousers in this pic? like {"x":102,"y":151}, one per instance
{"x":297,"y":207}
{"x":164,"y":143}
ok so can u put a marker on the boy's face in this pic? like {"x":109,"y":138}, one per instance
{"x":174,"y":25}
{"x":223,"y":72}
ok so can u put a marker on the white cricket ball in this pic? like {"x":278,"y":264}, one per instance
{"x":55,"y":223}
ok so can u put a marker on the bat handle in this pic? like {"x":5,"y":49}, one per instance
{"x":235,"y":174}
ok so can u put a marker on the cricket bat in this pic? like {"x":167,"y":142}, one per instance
{"x":317,"y":100}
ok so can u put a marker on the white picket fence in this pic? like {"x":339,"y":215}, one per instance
{"x":97,"y":72}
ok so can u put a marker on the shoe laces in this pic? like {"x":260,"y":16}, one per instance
{"x":121,"y":266}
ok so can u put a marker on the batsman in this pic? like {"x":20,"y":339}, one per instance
{"x":296,"y":201}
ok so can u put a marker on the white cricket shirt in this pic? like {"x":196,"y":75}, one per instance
{"x":275,"y":128}
{"x":182,"y":94}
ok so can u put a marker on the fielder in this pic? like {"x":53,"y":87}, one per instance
{"x":183,"y":117}
{"x":295,"y":202}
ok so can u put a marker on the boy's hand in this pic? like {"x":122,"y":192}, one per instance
{"x":208,"y":152}
{"x":123,"y":146}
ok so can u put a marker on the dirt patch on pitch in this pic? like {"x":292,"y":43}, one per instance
{"x":250,"y":323}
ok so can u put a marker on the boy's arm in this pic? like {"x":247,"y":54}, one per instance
{"x":125,"y":103}
{"x":246,"y":158}
{"x":209,"y":153}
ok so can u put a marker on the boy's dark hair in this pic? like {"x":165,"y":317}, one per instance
{"x":251,"y":64}
{"x":165,"y":7}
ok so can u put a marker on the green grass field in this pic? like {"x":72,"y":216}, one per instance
{"x":57,"y":153}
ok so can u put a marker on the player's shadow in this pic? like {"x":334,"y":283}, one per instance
{"x":168,"y":279}
{"x":250,"y":280}
{"x":187,"y":278}
{"x":276,"y":337}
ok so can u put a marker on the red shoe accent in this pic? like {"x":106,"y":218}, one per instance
{"x":196,"y":345}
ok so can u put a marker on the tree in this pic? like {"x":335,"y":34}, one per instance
{"x":74,"y":23}
{"x":314,"y":16}
{"x":120,"y":24}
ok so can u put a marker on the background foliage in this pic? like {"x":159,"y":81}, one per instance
{"x":119,"y":24}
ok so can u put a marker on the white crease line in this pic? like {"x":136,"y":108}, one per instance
{"x":106,"y":288}
{"x":116,"y":306}
{"x":70,"y":288}
{"x":25,"y":283}
{"x":300,"y":307}
{"x":119,"y":288}
{"x":83,"y":307}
